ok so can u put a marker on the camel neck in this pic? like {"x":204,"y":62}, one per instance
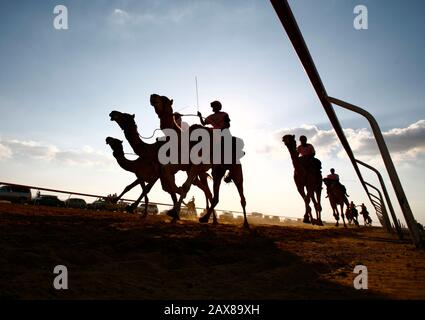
{"x":128,"y":165}
{"x":294,"y":157}
{"x":136,"y":143}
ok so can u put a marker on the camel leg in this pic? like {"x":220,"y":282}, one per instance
{"x":202,"y":183}
{"x":145,"y":214}
{"x":174,"y":212}
{"x":310,"y":194}
{"x":318,"y":206}
{"x":306,"y":203}
{"x":217,"y":174}
{"x":143,"y":195}
{"x":336,"y":215}
{"x":168,"y":181}
{"x":237,"y":177}
{"x":342,"y":215}
{"x":126,"y":189}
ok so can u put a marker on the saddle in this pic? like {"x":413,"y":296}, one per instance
{"x":336,"y":184}
{"x":311,"y":164}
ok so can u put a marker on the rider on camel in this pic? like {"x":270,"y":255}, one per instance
{"x":307,"y":154}
{"x":218,"y":120}
{"x":365,"y":214}
{"x":334,"y":178}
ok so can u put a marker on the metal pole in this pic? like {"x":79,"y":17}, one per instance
{"x":386,"y":157}
{"x":387,"y":197}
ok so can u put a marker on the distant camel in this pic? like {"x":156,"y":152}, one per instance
{"x":145,"y":171}
{"x":337,"y":197}
{"x":352,"y":214}
{"x":149,"y":152}
{"x":307,"y":179}
{"x":164,"y":110}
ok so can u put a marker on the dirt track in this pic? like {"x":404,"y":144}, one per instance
{"x":120,"y":256}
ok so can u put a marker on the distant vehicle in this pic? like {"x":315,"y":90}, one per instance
{"x":256,"y":214}
{"x":275,"y":218}
{"x":15,"y":194}
{"x":226,"y":216}
{"x":152,"y":209}
{"x":102,"y":204}
{"x":48,"y":200}
{"x":75,"y":203}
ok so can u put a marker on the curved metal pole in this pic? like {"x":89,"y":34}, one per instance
{"x":387,"y":197}
{"x":382,"y":206}
{"x":386,"y":157}
{"x":286,"y":17}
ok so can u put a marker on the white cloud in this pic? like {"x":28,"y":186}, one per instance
{"x":405,"y":144}
{"x":86,"y":156}
{"x":33,"y":149}
{"x":5,"y":152}
{"x":151,"y":16}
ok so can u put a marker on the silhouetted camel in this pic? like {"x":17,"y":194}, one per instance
{"x":306,"y":178}
{"x":149,"y":153}
{"x":352,"y":214}
{"x":336,"y":197}
{"x":145,"y":171}
{"x":164,"y":110}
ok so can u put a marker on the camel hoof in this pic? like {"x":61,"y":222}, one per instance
{"x":246,"y":225}
{"x":129,"y":209}
{"x":204,"y":219}
{"x":173,"y":214}
{"x":215,"y":222}
{"x":306,"y":220}
{"x":320,"y":223}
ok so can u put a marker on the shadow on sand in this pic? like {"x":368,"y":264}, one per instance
{"x":117,"y":256}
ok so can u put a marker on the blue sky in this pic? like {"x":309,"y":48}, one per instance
{"x":58,"y":87}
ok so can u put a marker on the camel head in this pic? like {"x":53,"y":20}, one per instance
{"x":160,"y":103}
{"x":327,"y":183}
{"x":115,"y":144}
{"x":289,"y":141}
{"x":124,"y":120}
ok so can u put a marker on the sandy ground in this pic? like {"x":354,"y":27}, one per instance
{"x":121,"y":256}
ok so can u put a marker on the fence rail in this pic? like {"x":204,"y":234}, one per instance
{"x":129,"y":200}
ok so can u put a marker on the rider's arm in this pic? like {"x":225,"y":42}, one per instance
{"x":201,"y":119}
{"x":226,"y":122}
{"x":313,"y":152}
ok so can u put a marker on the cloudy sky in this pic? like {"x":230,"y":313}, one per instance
{"x":57,"y":88}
